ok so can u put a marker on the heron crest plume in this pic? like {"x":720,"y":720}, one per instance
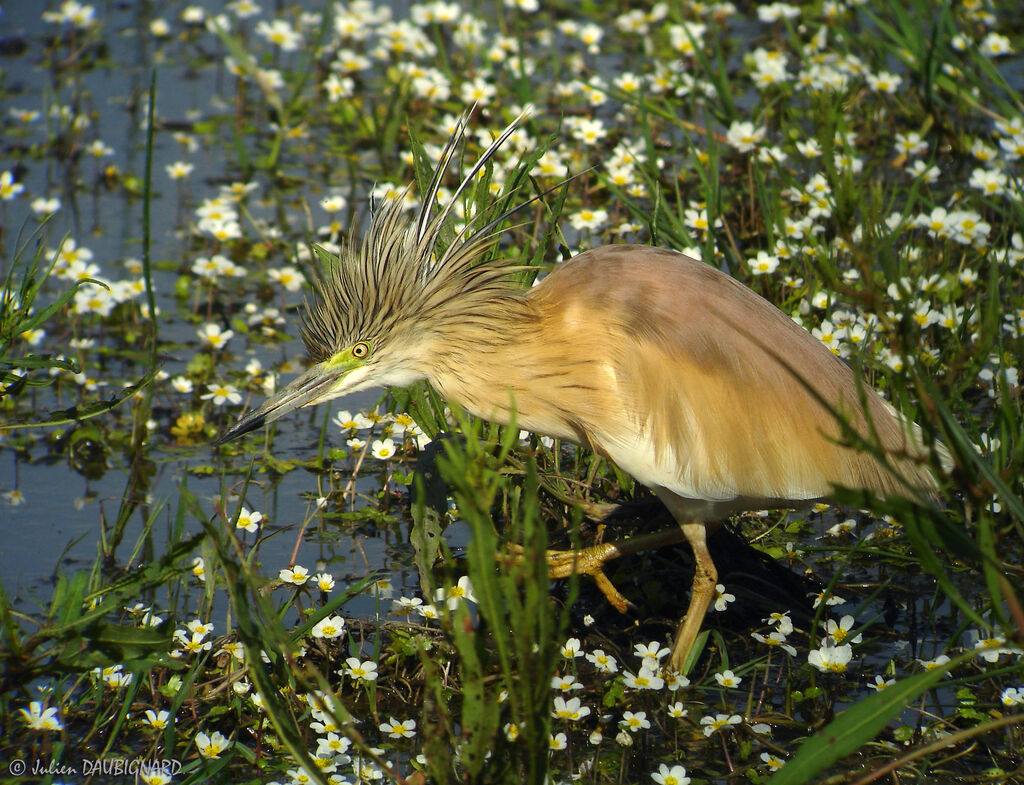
{"x":399,"y":282}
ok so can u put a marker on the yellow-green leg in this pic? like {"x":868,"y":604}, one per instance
{"x":702,"y":592}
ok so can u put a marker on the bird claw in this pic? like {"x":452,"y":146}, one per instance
{"x":589,"y":561}
{"x":613,"y":595}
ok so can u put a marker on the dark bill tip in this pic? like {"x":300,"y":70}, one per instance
{"x":242,"y":427}
{"x":313,"y":386}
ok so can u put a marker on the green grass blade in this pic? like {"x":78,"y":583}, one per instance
{"x":857,"y":726}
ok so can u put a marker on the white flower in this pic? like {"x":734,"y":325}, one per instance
{"x":744,"y":136}
{"x":677,"y":710}
{"x":399,"y":730}
{"x":880,"y":683}
{"x":347,"y":421}
{"x":995,"y":45}
{"x":722,"y":598}
{"x":728,"y":679}
{"x":571,"y":648}
{"x":783,"y":623}
{"x":250,"y":521}
{"x":382,"y":449}
{"x":763,"y":264}
{"x":453,"y":595}
{"x":774,"y":639}
{"x":571,"y":709}
{"x":211,"y":746}
{"x":991,"y":648}
{"x":652,"y":654}
{"x":219,"y":394}
{"x":179,"y":170}
{"x":719,"y":722}
{"x":646,"y":679}
{"x":676,"y":775}
{"x":297,"y":575}
{"x":589,"y":219}
{"x":360,"y":671}
{"x":832,"y":659}
{"x":839,"y":631}
{"x":1012,"y":696}
{"x":565,"y":683}
{"x":211,"y":335}
{"x":636,"y":721}
{"x":605,"y":663}
{"x":280,"y":33}
{"x":39,"y":718}
{"x":329,"y":627}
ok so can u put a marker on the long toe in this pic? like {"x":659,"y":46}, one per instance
{"x":589,"y":561}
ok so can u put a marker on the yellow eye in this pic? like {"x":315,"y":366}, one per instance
{"x":361,"y":350}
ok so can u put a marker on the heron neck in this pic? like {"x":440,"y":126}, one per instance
{"x":510,"y":368}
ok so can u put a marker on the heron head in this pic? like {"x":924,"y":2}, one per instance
{"x":383,"y":308}
{"x":351,"y":368}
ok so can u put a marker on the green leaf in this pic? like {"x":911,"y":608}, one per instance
{"x":83,"y":411}
{"x":857,"y":726}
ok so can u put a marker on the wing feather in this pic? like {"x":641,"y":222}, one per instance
{"x":713,"y":383}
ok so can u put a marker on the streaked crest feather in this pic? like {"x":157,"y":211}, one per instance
{"x":396,"y":277}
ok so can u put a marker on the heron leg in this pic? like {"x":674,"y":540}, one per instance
{"x":705,"y":579}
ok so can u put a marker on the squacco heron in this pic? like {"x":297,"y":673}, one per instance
{"x":682,"y":376}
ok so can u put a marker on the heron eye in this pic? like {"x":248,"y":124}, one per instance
{"x":361,"y":350}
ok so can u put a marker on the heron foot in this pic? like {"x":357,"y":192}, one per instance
{"x":588,"y":561}
{"x":562,"y":564}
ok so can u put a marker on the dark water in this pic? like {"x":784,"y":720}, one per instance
{"x":59,"y":525}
